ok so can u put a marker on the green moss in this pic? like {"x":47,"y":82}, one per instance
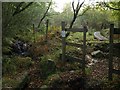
{"x":11,"y":65}
{"x":88,"y":71}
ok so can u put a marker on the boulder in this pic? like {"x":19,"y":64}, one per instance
{"x":44,"y":87}
{"x":48,"y":67}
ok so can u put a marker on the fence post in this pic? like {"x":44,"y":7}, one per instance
{"x":84,"y":49}
{"x":34,"y":32}
{"x":111,"y":52}
{"x":63,"y":41}
{"x":47,"y":29}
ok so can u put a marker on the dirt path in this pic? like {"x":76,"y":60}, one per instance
{"x":100,"y":70}
{"x":34,"y":73}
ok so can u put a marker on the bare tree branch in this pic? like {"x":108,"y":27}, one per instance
{"x":81,"y":5}
{"x":19,"y":5}
{"x":77,"y":6}
{"x":83,"y":12}
{"x":113,"y":8}
{"x":17,"y":11}
{"x":73,"y":7}
{"x":76,"y":11}
{"x":45,"y":14}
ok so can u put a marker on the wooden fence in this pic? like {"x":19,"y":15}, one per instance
{"x":113,"y":31}
{"x":64,"y":43}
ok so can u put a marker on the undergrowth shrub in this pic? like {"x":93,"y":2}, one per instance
{"x":9,"y":82}
{"x":13,"y":64}
{"x":23,"y":62}
{"x":8,"y":66}
{"x":37,"y":51}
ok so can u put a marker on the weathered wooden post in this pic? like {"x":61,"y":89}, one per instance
{"x":63,"y":34}
{"x":47,"y":30}
{"x":111,"y":52}
{"x":84,"y":49}
{"x":34,"y":32}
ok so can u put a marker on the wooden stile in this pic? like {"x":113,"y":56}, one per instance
{"x":64,"y":43}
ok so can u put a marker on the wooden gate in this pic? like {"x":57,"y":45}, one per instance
{"x":113,"y":32}
{"x":64,"y":43}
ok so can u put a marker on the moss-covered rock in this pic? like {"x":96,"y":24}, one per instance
{"x":47,"y":67}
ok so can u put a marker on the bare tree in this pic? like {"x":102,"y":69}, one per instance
{"x":75,"y":11}
{"x":75,"y":15}
{"x":45,"y":14}
{"x":17,"y":11}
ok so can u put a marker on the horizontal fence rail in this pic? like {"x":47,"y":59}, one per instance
{"x":75,"y":29}
{"x":74,"y":44}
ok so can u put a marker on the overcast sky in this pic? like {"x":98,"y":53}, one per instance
{"x":60,"y":3}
